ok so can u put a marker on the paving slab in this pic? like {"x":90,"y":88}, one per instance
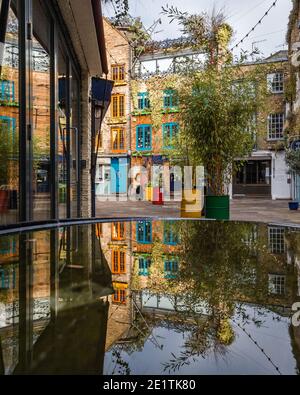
{"x":252,"y":210}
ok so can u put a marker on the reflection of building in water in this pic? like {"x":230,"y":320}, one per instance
{"x":154,"y":249}
{"x":120,"y":280}
{"x":60,"y":289}
{"x":116,"y":245}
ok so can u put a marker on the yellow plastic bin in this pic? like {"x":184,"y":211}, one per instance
{"x":192,"y":204}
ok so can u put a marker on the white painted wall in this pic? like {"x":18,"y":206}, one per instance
{"x":281,"y":189}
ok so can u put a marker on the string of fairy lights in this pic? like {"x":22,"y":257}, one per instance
{"x":255,"y":26}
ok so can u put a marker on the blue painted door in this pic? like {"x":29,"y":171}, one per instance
{"x":119,"y":167}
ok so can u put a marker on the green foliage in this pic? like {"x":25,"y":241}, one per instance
{"x":293,"y":160}
{"x":217,"y":109}
{"x":8,"y":151}
{"x":207,"y":32}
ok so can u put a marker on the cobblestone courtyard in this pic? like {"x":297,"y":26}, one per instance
{"x":256,"y":210}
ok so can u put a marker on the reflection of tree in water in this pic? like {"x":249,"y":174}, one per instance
{"x":218,"y":264}
{"x":223,"y":268}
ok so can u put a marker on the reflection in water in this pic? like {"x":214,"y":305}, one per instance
{"x":152,"y":297}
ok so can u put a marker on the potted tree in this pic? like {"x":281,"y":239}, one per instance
{"x":216,"y":114}
{"x":218,"y":101}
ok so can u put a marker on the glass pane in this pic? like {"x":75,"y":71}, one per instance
{"x":62,"y":134}
{"x":9,"y":126}
{"x":41,"y":114}
{"x":74,"y":139}
{"x":9,"y":303}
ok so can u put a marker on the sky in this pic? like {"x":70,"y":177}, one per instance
{"x":241,"y":14}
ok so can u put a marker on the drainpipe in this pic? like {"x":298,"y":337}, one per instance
{"x":4,"y":12}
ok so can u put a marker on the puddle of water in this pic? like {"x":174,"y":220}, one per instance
{"x":150,"y":297}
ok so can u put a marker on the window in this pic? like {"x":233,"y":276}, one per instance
{"x":118,"y":139}
{"x":118,"y":73}
{"x":144,"y":137}
{"x":99,"y":141}
{"x":118,"y":262}
{"x":7,"y":278}
{"x":7,"y":91}
{"x":8,"y":247}
{"x":276,"y":82}
{"x":170,"y":131}
{"x":254,"y":173}
{"x":100,"y":173}
{"x":275,"y":126}
{"x":119,"y":296}
{"x":118,"y":106}
{"x":144,"y":232}
{"x":118,"y":231}
{"x":7,"y":125}
{"x":144,"y":266}
{"x":143,"y":101}
{"x":171,"y":269}
{"x":170,"y":236}
{"x":276,"y":240}
{"x":276,"y":284}
{"x":170,"y":99}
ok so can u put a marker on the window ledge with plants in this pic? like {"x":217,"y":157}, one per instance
{"x":116,"y":121}
{"x":170,"y":110}
{"x":9,"y":104}
{"x":141,"y":112}
{"x":142,"y":153}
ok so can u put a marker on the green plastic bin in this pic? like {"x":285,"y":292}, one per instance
{"x":217,"y":207}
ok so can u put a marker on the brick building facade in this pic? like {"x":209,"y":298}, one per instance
{"x":114,"y":155}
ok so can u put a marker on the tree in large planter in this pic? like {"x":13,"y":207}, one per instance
{"x":218,"y":101}
{"x":217,"y":110}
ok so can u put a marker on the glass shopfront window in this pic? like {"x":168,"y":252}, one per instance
{"x":41,"y":99}
{"x":62,"y":110}
{"x":40,"y":93}
{"x":74,"y":146}
{"x":9,"y":123}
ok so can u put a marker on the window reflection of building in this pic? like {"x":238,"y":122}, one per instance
{"x":9,"y":125}
{"x":45,"y":296}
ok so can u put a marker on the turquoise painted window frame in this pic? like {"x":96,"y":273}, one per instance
{"x":5,"y":281}
{"x":173,"y":133}
{"x":141,"y":229}
{"x":144,"y":135}
{"x":143,"y":101}
{"x":170,"y":101}
{"x":170,"y":237}
{"x":171,"y":267}
{"x":11,"y":125}
{"x":9,"y":247}
{"x":144,"y":266}
{"x":7,"y":90}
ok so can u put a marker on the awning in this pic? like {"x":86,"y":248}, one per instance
{"x":85,"y":23}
